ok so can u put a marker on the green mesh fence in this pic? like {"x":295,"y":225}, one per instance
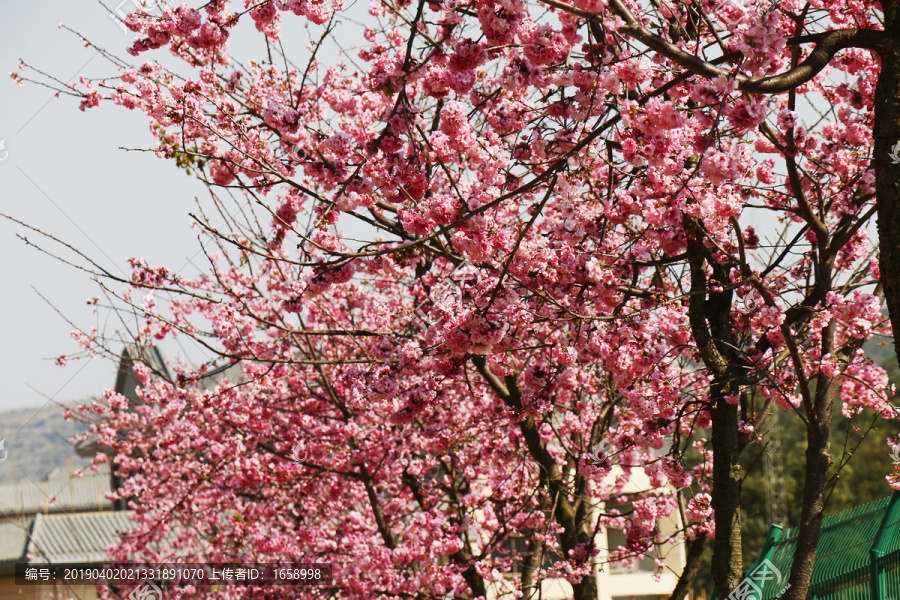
{"x":858,"y":557}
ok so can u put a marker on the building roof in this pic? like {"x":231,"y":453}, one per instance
{"x":14,"y":538}
{"x":71,"y":493}
{"x":233,"y":372}
{"x":76,"y":538}
{"x":61,"y":539}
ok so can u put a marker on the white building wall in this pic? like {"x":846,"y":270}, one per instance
{"x":614,"y":584}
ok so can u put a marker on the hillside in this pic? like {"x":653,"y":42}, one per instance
{"x":36,"y":442}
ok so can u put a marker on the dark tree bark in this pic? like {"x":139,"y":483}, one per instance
{"x":531,"y":564}
{"x":818,"y":463}
{"x":887,"y":174}
{"x":695,"y":549}
{"x":711,"y":327}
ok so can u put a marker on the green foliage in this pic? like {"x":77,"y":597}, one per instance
{"x":189,"y":159}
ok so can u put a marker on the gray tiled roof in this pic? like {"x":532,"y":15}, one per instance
{"x":72,"y":494}
{"x":14,"y":538}
{"x":76,"y":537}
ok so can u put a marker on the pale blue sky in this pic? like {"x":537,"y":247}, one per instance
{"x":66,"y":174}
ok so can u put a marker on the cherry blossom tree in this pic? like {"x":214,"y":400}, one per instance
{"x":556,"y":204}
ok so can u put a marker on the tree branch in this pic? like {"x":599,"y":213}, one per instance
{"x":827,"y":45}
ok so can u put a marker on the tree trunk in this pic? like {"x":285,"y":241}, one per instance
{"x":727,"y":561}
{"x":887,"y":173}
{"x":818,"y":462}
{"x":691,"y":567}
{"x":531,"y":565}
{"x":574,"y":522}
{"x":711,"y":328}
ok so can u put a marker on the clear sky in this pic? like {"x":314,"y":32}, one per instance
{"x":66,"y":174}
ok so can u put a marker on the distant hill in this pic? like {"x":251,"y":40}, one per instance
{"x":36,"y":442}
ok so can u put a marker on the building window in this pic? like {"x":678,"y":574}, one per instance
{"x":519,"y":546}
{"x":615,"y":539}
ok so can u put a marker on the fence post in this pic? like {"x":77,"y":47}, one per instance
{"x":876,"y":572}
